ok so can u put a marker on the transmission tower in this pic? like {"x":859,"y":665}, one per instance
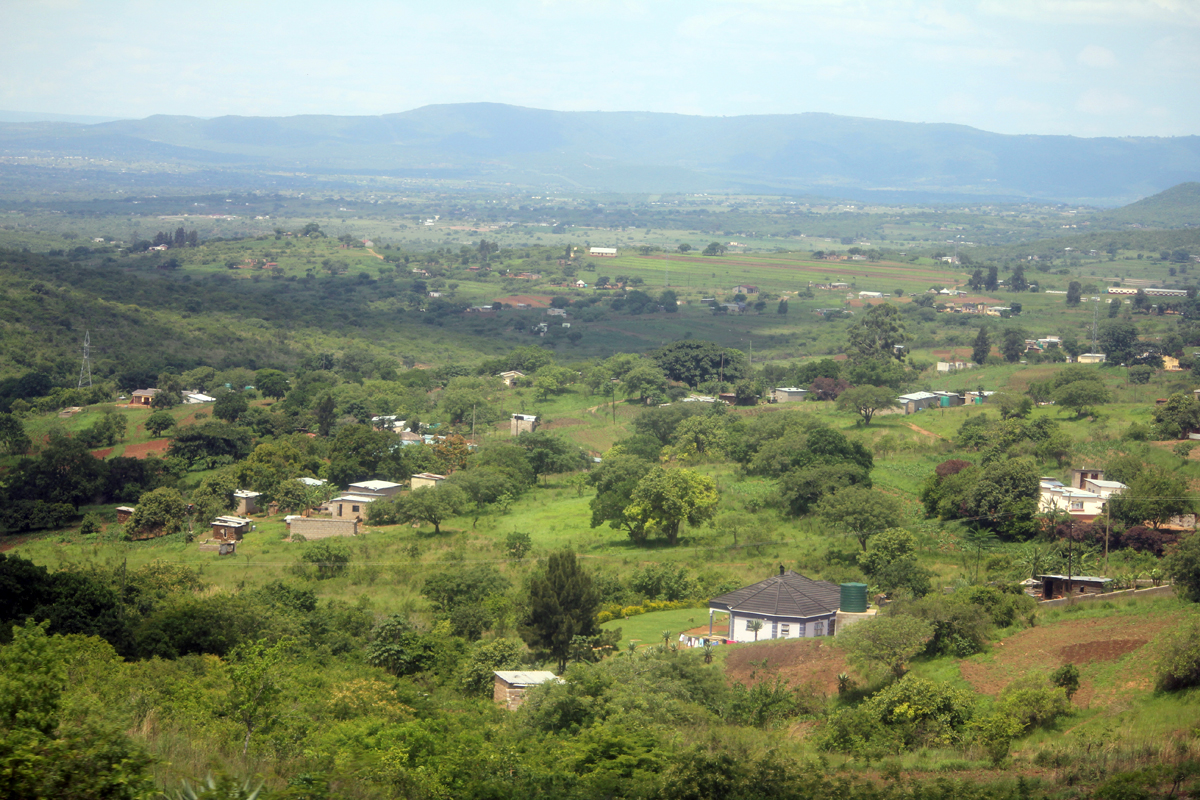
{"x":85,"y":371}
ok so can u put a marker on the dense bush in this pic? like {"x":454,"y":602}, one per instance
{"x":1179,"y":658}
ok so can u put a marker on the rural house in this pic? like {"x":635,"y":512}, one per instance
{"x":510,"y":685}
{"x":143,"y":397}
{"x":603,"y":252}
{"x":918,"y":401}
{"x":788,"y":394}
{"x":422,"y":479}
{"x":375,"y":488}
{"x":230,"y":528}
{"x":511,"y":376}
{"x":788,"y":606}
{"x":352,"y":506}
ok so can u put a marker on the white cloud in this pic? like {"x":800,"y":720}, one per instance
{"x":1104,"y":102}
{"x":1096,"y":56}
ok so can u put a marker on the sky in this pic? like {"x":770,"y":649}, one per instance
{"x":1077,"y":67}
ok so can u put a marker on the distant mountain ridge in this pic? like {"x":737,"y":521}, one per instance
{"x":654,"y":152}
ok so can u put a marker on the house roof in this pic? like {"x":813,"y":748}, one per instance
{"x":375,"y":485}
{"x":431,"y":476}
{"x":231,"y":520}
{"x":526,"y":417}
{"x":1106,"y":484}
{"x":145,"y":392}
{"x":246,"y":493}
{"x":357,"y":498}
{"x":905,"y":398}
{"x":1087,"y":578}
{"x":312,"y":481}
{"x":525,"y":677}
{"x":787,"y":595}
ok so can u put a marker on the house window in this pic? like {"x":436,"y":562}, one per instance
{"x":1077,"y":505}
{"x":354,"y":509}
{"x":785,"y":630}
{"x":818,"y":628}
{"x":800,"y":629}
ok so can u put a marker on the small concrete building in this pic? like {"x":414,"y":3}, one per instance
{"x":352,"y":506}
{"x":788,"y":394}
{"x":195,"y":398}
{"x":246,"y":502}
{"x":1091,"y":358}
{"x":423,"y":479}
{"x":124,"y":513}
{"x":603,"y":252}
{"x":510,"y":685}
{"x":375,"y":488}
{"x":230,"y":528}
{"x":523,"y":423}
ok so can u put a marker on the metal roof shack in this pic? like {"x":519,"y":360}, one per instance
{"x":510,"y":685}
{"x":1069,"y":585}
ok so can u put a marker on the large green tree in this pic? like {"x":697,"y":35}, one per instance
{"x":860,"y":512}
{"x":885,"y":643}
{"x":1118,"y":340}
{"x":877,"y":334}
{"x":866,"y":401}
{"x":562,"y":605}
{"x":615,"y":479}
{"x":160,"y":510}
{"x":666,"y":498}
{"x":695,"y":362}
{"x":1082,"y":396}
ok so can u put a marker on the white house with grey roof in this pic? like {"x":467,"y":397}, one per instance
{"x":789,"y":606}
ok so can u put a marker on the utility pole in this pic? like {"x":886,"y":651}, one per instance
{"x":85,"y":371}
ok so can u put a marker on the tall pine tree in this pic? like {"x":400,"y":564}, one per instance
{"x":562,"y":605}
{"x":982,"y":347}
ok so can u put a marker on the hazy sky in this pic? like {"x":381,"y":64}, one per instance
{"x":1081,"y":67}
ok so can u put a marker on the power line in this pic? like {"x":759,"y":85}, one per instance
{"x":85,"y":371}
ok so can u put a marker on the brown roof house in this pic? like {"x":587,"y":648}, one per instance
{"x":784,"y":606}
{"x":510,"y":685}
{"x":143,"y":397}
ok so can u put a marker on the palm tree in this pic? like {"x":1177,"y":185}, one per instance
{"x":755,"y":625}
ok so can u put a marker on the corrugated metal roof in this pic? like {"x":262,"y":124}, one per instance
{"x":525,"y":677}
{"x":787,"y":595}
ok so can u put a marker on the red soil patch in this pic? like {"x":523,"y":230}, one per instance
{"x":1081,"y":642}
{"x":531,"y":300}
{"x":146,"y":448}
{"x":102,"y":453}
{"x":799,"y":662}
{"x":1098,"y":651}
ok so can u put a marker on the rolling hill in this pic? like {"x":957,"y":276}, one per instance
{"x":652,"y":152}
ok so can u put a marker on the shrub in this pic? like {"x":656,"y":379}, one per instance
{"x":518,"y":545}
{"x":331,"y":558}
{"x":1066,"y":677}
{"x":1179,"y":659}
{"x":1034,"y":704}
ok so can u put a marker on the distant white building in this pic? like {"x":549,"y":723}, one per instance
{"x":870,"y":295}
{"x":603,"y":252}
{"x":1091,"y":358}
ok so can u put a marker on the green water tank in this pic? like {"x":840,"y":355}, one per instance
{"x":854,"y":598}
